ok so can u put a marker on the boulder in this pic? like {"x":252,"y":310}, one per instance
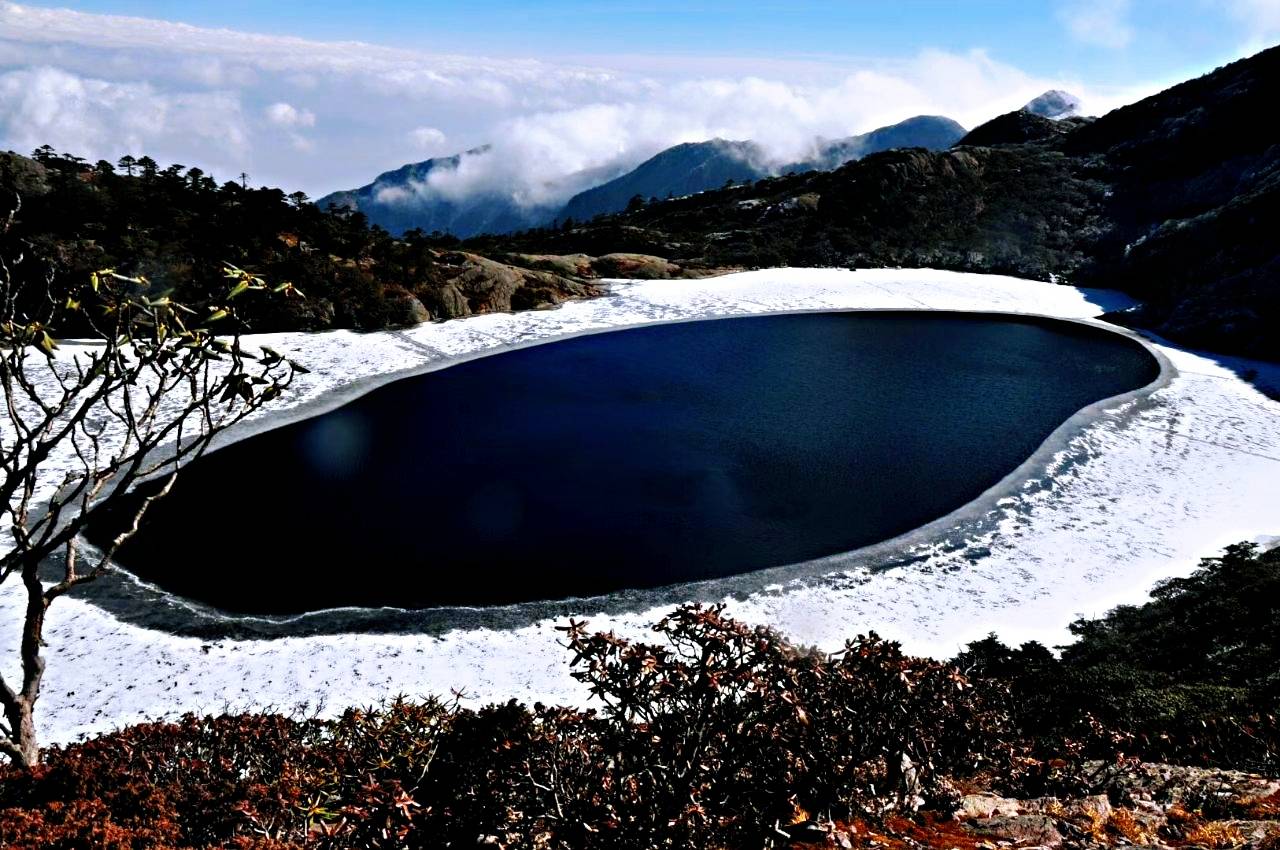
{"x":986,"y":806}
{"x":404,"y":311}
{"x":1088,"y":813}
{"x":463,"y":283}
{"x":642,"y":266}
{"x":1021,"y":830}
{"x":1167,"y":785}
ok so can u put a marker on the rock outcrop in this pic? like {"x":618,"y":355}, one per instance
{"x":462,"y":284}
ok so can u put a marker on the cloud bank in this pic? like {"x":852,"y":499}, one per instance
{"x":322,"y":116}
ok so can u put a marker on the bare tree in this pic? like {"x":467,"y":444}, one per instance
{"x":144,"y":395}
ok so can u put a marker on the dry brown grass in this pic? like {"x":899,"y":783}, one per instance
{"x":1216,"y":835}
{"x":1263,"y":808}
{"x":1123,"y":824}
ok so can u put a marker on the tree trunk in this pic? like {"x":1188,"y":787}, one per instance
{"x":21,"y":746}
{"x":28,"y":754}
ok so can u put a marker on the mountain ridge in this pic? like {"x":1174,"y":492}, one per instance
{"x":682,"y":169}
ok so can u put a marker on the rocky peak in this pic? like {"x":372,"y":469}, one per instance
{"x":1054,"y":105}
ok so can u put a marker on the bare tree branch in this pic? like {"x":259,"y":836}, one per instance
{"x":148,"y":397}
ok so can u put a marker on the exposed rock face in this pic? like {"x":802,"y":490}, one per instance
{"x":406,"y":311}
{"x":973,"y":806}
{"x":1022,"y":830}
{"x":463,"y":283}
{"x":1169,"y":785}
{"x":23,"y":175}
{"x":644,"y":266}
{"x":635,"y":266}
{"x":1151,"y":805}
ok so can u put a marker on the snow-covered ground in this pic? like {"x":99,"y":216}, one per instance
{"x":1139,"y":492}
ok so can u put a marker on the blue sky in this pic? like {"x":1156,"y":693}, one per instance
{"x":323,"y":95}
{"x":1168,"y":38}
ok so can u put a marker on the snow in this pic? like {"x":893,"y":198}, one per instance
{"x":1135,"y":491}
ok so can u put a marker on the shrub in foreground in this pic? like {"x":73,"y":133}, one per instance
{"x":716,"y":734}
{"x":712,"y":736}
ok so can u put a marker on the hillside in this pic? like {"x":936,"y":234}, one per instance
{"x":1171,"y":199}
{"x":933,"y":132}
{"x":701,"y":166}
{"x":177,"y":227}
{"x":681,"y":170}
{"x":412,"y":197}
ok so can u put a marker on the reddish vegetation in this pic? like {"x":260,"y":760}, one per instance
{"x":718,"y":735}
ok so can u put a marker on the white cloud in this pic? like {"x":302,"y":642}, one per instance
{"x":228,"y":101}
{"x":427,"y":139}
{"x":289,"y":117}
{"x":1102,"y":23}
{"x":100,"y":119}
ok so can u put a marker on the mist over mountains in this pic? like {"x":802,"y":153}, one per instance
{"x":432,"y":196}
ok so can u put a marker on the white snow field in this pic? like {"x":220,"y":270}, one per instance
{"x":1140,"y":490}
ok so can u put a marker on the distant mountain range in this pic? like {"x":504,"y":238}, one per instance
{"x":404,"y":199}
{"x":699,"y":166}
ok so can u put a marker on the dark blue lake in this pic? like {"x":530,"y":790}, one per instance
{"x":630,"y":459}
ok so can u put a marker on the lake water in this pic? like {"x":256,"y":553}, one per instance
{"x":631,"y":459}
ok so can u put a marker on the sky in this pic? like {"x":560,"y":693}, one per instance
{"x":324,"y":95}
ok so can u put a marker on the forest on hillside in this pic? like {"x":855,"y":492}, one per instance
{"x":178,"y":228}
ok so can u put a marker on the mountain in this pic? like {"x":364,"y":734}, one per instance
{"x":699,"y":166}
{"x":1054,"y":105}
{"x":1173,"y":199}
{"x":681,"y":170}
{"x":412,"y":196}
{"x":934,"y":132}
{"x":406,"y":198}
